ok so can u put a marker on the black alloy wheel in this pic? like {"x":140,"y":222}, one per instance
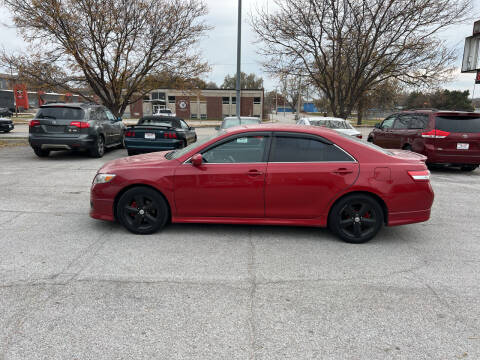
{"x":356,"y":218}
{"x":142,"y":210}
{"x":40,"y":152}
{"x":468,"y":167}
{"x":98,"y":149}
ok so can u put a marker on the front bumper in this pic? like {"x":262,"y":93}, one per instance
{"x":6,"y":126}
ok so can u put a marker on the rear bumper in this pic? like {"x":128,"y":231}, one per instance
{"x":62,"y":142}
{"x":410,"y":217}
{"x":436,"y":158}
{"x":140,"y":145}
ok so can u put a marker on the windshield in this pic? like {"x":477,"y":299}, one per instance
{"x":59,"y":112}
{"x":228,"y":123}
{"x":180,"y":152}
{"x":332,"y":124}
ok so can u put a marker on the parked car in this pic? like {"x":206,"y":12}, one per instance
{"x":268,"y":175}
{"x":158,"y":133}
{"x":165,"y":112}
{"x":6,"y":125}
{"x":75,"y":126}
{"x":444,"y":137}
{"x":338,"y":124}
{"x":232,"y":121}
{"x":5,"y":112}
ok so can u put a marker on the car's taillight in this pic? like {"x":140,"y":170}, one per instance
{"x":80,"y":124}
{"x":435,"y":134}
{"x":130,"y":133}
{"x":359,"y":136}
{"x":33,"y":123}
{"x":420,"y":175}
{"x":170,"y":135}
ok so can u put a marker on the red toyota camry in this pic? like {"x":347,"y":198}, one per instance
{"x":268,"y":175}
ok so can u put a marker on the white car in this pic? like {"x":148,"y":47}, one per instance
{"x":165,"y":112}
{"x":341,"y":125}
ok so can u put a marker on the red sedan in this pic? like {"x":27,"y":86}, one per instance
{"x":268,"y":175}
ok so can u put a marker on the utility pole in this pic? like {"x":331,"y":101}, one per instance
{"x":239,"y":57}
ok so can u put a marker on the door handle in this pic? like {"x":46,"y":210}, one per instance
{"x":343,"y":171}
{"x":254,"y":173}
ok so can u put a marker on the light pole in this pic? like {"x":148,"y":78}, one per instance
{"x":239,"y":56}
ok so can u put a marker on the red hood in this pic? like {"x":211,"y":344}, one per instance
{"x":407,"y":155}
{"x":155,"y":158}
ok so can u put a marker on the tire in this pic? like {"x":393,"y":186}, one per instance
{"x":98,"y":149}
{"x":122,"y":143}
{"x":356,"y":218}
{"x":131,"y":153}
{"x":407,"y":147}
{"x":142,"y":210}
{"x":468,"y":167}
{"x":40,"y":152}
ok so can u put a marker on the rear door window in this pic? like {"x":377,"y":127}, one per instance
{"x":292,"y":149}
{"x":402,"y":122}
{"x":419,"y":122}
{"x":458,"y":124}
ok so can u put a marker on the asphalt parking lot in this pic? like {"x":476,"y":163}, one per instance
{"x":76,"y":288}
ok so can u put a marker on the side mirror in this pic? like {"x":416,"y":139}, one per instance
{"x":192,"y":128}
{"x":217,"y":128}
{"x":197,"y":160}
{"x":378,"y":125}
{"x":119,"y":119}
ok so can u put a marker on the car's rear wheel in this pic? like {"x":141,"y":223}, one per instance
{"x":142,"y":210}
{"x":468,"y":167}
{"x":370,"y":139}
{"x":356,"y":218}
{"x":40,"y":152}
{"x":98,"y":149}
{"x":131,"y":152}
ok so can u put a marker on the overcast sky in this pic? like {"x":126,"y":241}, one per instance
{"x":219,"y":46}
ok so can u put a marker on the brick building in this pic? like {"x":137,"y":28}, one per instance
{"x":211,"y":104}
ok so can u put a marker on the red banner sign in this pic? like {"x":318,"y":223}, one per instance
{"x":21,"y":96}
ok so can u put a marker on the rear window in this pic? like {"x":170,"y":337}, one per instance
{"x":295,"y":149}
{"x":160,"y":122}
{"x":58,"y":112}
{"x":458,"y":124}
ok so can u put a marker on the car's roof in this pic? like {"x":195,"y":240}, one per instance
{"x":309,"y":118}
{"x":71,"y":105}
{"x":242,"y":118}
{"x":436,"y":111}
{"x":282,"y":127}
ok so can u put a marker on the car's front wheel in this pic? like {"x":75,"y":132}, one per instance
{"x":142,"y":210}
{"x":356,"y":218}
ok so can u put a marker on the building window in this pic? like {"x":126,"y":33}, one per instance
{"x":146,"y":98}
{"x":225,"y":100}
{"x":234,"y":100}
{"x":203,"y":116}
{"x":193,"y":116}
{"x":257,"y":100}
{"x":171,"y":99}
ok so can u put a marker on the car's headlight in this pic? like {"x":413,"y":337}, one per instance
{"x":103,"y":178}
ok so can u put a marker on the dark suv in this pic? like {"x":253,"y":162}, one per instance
{"x":75,"y":126}
{"x":445,"y":137}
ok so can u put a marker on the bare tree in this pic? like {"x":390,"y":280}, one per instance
{"x":250,"y":81}
{"x":346,"y":48}
{"x":117,"y":50}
